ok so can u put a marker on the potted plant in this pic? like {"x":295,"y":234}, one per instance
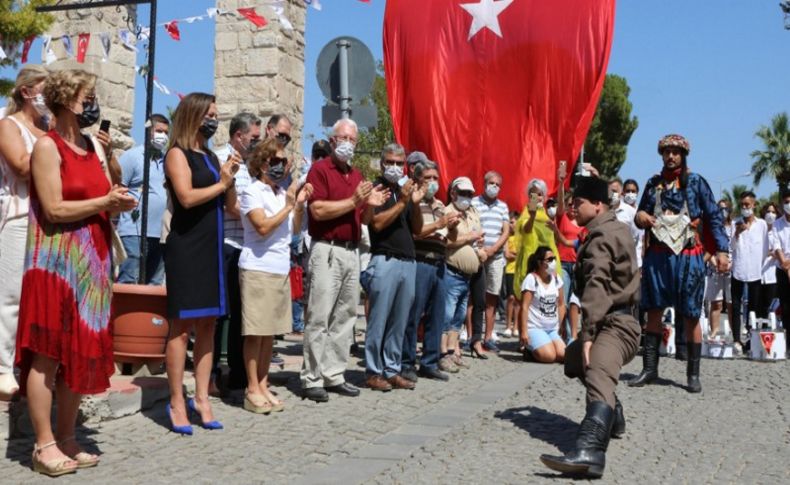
{"x":139,"y":323}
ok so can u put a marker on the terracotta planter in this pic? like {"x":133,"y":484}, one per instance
{"x":140,"y":325}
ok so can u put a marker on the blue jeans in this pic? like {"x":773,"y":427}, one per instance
{"x":428,"y":300}
{"x":297,"y":309}
{"x":456,"y":289}
{"x":390,"y":290}
{"x":129,"y":271}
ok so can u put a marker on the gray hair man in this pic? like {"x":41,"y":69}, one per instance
{"x":495,"y":219}
{"x":342,"y":200}
{"x":245,"y":133}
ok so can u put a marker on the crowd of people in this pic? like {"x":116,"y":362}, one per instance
{"x":242,"y":237}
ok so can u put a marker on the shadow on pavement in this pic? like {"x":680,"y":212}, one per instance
{"x":543,"y":425}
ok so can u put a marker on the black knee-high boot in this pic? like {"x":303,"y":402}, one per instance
{"x":589,"y":457}
{"x":649,"y":361}
{"x":692,"y":368}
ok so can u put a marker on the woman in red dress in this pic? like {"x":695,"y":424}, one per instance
{"x":64,"y":341}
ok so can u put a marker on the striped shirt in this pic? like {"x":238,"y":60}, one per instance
{"x":493,"y":217}
{"x":234,"y":231}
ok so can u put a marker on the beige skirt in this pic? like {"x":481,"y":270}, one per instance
{"x":265,"y":303}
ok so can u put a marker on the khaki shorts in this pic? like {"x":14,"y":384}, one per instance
{"x":265,"y":303}
{"x":495,"y":271}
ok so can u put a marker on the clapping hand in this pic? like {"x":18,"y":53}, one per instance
{"x":228,"y":170}
{"x":406,"y":190}
{"x":418,"y":193}
{"x":304,"y":194}
{"x":378,"y":196}
{"x":362,"y":193}
{"x":119,"y":200}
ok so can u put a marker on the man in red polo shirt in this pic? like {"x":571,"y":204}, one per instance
{"x":342,"y":200}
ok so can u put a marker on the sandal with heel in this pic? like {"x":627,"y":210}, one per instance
{"x":83,"y":458}
{"x":52,"y":468}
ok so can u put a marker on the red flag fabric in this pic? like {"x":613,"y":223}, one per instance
{"x":253,"y":16}
{"x":500,"y":85}
{"x":83,"y":40}
{"x":26,"y":47}
{"x":172,"y":29}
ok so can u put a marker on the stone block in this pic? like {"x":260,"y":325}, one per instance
{"x":226,"y":41}
{"x":262,"y":62}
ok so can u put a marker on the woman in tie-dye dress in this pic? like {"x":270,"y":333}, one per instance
{"x":64,"y":334}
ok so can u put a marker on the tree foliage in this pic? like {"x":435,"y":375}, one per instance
{"x":372,"y":140}
{"x":611,"y":129}
{"x":773,"y":160}
{"x":733,"y":195}
{"x":19,"y":21}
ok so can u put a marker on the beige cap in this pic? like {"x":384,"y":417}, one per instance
{"x":463,"y":183}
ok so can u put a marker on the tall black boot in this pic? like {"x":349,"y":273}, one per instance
{"x":649,"y":361}
{"x":618,"y":428}
{"x":692,"y":368}
{"x":589,"y":457}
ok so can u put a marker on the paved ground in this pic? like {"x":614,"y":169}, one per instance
{"x":487,"y":425}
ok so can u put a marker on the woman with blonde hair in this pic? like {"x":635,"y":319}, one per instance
{"x":269,"y":216}
{"x":27,"y":121}
{"x":196,"y":296}
{"x":64,"y":342}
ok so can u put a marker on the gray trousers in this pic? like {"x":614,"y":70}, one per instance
{"x":614,"y":346}
{"x":331,"y":314}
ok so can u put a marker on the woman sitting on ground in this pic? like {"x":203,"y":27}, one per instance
{"x":542,"y":309}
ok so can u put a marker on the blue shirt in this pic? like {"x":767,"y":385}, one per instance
{"x":132,"y":176}
{"x":701,"y":204}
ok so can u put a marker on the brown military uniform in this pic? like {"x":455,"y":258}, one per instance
{"x":607,"y":282}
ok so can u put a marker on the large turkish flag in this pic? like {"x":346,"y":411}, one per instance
{"x":508,"y":85}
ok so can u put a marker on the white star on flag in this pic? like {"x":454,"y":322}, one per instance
{"x":485,"y":14}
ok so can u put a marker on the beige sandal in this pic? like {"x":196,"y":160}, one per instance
{"x":83,"y":458}
{"x":52,"y":468}
{"x":249,"y":405}
{"x":277,"y":406}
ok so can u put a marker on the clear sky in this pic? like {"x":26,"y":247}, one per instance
{"x":711,"y":70}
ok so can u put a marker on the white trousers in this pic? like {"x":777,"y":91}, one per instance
{"x":12,"y":264}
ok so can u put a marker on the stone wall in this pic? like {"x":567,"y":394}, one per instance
{"x":115,"y":88}
{"x":260,"y":70}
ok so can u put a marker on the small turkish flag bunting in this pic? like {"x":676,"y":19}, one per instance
{"x":253,"y":16}
{"x":665,"y":336}
{"x":172,"y":29}
{"x":26,"y":47}
{"x":82,"y":46}
{"x":767,"y":338}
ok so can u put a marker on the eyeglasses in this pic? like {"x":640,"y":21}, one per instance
{"x":275,"y":161}
{"x":283,"y":138}
{"x":550,"y":259}
{"x":352,"y":139}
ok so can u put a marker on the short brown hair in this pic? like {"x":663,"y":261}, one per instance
{"x":63,"y":87}
{"x":261,"y":155}
{"x":188,"y":118}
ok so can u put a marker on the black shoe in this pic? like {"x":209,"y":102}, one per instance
{"x":649,"y":361}
{"x":435,"y":374}
{"x":692,"y":368}
{"x":681,"y":352}
{"x":344,"y":389}
{"x":618,"y":428}
{"x":589,"y":457}
{"x":409,"y":374}
{"x":317,"y":394}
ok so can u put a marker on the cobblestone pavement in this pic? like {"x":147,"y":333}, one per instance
{"x":488,"y":424}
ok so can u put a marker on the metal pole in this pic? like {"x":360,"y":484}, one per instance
{"x":345,"y":98}
{"x":98,"y":4}
{"x":148,"y":150}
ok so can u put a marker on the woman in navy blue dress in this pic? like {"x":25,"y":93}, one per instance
{"x":196,"y":297}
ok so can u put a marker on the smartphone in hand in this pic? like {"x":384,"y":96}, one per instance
{"x":534,"y":201}
{"x":105,"y":126}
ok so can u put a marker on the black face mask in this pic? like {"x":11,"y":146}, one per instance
{"x":209,"y":127}
{"x":90,"y":114}
{"x":276,"y":173}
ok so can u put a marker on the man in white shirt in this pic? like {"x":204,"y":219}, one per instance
{"x":245,"y":133}
{"x":780,"y":247}
{"x":625,"y":213}
{"x":749,"y":245}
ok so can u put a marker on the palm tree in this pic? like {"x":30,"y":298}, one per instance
{"x":774,"y":159}
{"x":734,"y":194}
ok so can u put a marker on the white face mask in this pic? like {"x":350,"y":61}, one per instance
{"x":552,"y":212}
{"x":770,"y":217}
{"x":431,"y":190}
{"x":552,"y":267}
{"x":492,"y":191}
{"x":615,"y":198}
{"x":463,"y":203}
{"x":159,"y":141}
{"x":787,"y":208}
{"x":392,"y":173}
{"x":40,"y":105}
{"x":630,"y":198}
{"x":344,"y":151}
{"x":747,"y":213}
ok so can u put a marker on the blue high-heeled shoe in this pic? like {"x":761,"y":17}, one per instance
{"x":209,"y":425}
{"x":185,"y":430}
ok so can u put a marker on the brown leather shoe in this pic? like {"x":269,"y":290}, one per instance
{"x":399,"y":382}
{"x":378,"y":383}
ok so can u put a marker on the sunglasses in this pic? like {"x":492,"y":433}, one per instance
{"x":283,"y":138}
{"x":274,"y":161}
{"x":550,"y":259}
{"x":397,"y":163}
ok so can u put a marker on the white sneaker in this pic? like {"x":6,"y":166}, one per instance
{"x":463,"y":335}
{"x":507,"y":333}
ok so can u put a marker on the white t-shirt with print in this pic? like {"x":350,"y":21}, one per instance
{"x":544,"y":309}
{"x":272,"y":253}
